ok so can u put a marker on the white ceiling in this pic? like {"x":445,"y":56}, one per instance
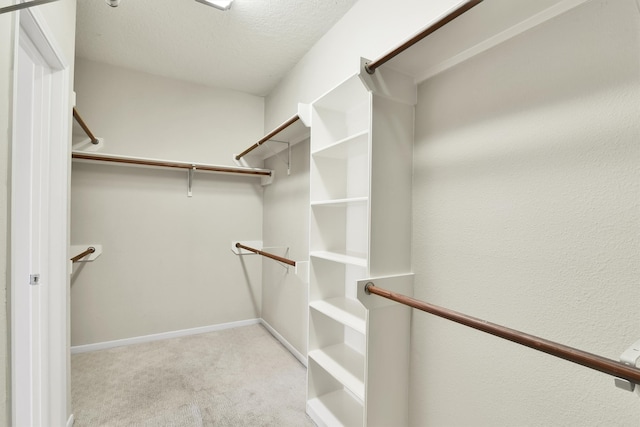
{"x":248,"y":48}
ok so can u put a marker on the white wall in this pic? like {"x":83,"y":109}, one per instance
{"x":60,"y":18}
{"x":526,"y":214}
{"x":525,"y":208}
{"x":167,"y":262}
{"x":286,"y":224}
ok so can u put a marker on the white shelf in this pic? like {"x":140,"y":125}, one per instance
{"x":341,"y":149}
{"x":344,"y":364}
{"x":339,"y":190}
{"x":348,"y":95}
{"x":357,"y":260}
{"x":360,"y":189}
{"x":337,"y":408}
{"x":344,"y":310}
{"x":341,"y":202}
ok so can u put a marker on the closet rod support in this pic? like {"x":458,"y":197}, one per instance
{"x":288,"y":162}
{"x":630,"y":357}
{"x":190,"y":173}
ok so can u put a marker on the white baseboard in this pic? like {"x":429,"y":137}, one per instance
{"x":71,"y":420}
{"x":185,"y":332}
{"x":284,"y":342}
{"x":162,"y":336}
{"x":315,"y":417}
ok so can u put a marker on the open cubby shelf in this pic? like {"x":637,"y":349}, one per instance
{"x":356,"y":144}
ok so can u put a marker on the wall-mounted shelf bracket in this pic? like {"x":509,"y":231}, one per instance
{"x":190,"y":173}
{"x":630,"y":357}
{"x":276,"y":153}
{"x":301,"y":270}
{"x":304,"y":112}
{"x":390,"y":84}
{"x":401,"y":283}
{"x":268,"y":180}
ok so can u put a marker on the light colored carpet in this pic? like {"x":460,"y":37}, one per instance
{"x":235,"y":377}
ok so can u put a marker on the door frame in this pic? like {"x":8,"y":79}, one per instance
{"x":40,"y":387}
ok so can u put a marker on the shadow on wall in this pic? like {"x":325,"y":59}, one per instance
{"x":576,"y":51}
{"x":247,"y":280}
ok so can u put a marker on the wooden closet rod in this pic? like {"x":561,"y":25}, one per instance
{"x":84,"y":126}
{"x":267,"y":254}
{"x":599,"y":363}
{"x":81,"y":255}
{"x":168,"y":164}
{"x":268,"y":136}
{"x":370,"y":67}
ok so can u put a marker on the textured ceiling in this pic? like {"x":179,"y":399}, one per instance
{"x":248,"y":48}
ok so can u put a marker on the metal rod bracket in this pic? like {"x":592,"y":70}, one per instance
{"x":367,"y":69}
{"x":190,"y":173}
{"x":366,"y":288}
{"x":277,"y":155}
{"x":630,"y":357}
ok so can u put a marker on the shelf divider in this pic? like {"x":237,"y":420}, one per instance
{"x":344,"y":364}
{"x":344,"y":310}
{"x":337,"y":408}
{"x":357,"y":260}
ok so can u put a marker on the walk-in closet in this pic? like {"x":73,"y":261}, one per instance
{"x":347,"y":213}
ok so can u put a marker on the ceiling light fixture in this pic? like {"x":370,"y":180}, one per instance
{"x":218,"y":4}
{"x":113,"y":3}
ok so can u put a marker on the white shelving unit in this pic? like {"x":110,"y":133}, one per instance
{"x":360,"y":227}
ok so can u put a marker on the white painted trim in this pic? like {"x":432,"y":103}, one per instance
{"x":509,"y":33}
{"x":284,"y":342}
{"x":71,"y":420}
{"x":36,"y":26}
{"x":161,"y":336}
{"x":317,"y":419}
{"x":52,"y":392}
{"x":192,"y":331}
